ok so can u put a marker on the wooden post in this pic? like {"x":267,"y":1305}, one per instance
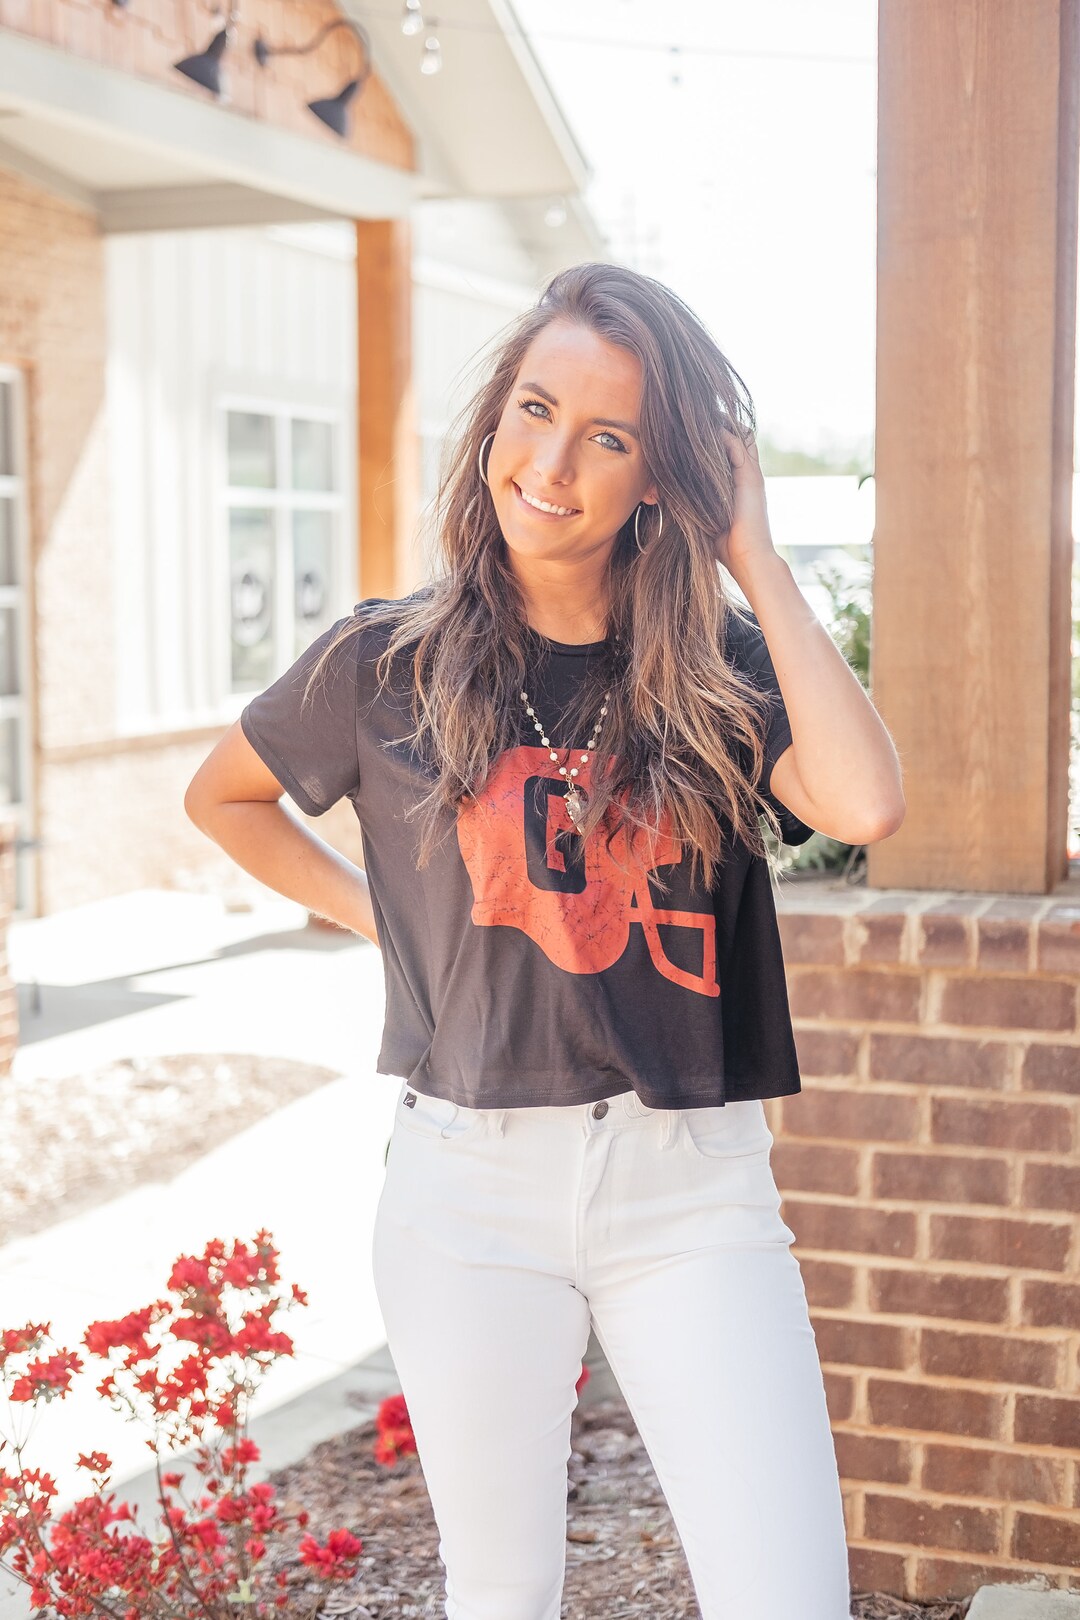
{"x":387,"y":451}
{"x":977,"y":234}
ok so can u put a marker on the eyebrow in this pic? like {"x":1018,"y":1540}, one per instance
{"x":601,"y":421}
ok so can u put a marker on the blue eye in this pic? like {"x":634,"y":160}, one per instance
{"x":526,"y":404}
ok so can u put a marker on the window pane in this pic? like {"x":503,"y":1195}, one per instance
{"x":251,"y":450}
{"x":251,"y":558}
{"x":313,"y":534}
{"x":7,"y":430}
{"x":312,"y":455}
{"x":7,"y":541}
{"x":9,"y":653}
{"x":10,"y":780}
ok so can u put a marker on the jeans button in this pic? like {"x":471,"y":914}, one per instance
{"x":599,"y":1110}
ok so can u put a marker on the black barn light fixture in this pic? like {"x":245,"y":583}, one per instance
{"x":205,"y":68}
{"x":332,"y":110}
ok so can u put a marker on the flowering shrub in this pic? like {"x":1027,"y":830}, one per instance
{"x":188,"y":1365}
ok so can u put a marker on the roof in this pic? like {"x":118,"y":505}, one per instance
{"x":145,"y":156}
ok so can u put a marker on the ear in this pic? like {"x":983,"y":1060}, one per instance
{"x":651,"y":496}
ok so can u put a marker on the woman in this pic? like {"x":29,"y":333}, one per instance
{"x":558,"y":751}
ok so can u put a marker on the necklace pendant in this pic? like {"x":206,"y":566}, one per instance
{"x":576,"y":805}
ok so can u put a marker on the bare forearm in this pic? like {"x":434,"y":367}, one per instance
{"x":843,"y":750}
{"x":279,"y":850}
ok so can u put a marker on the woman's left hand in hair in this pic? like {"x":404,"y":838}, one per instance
{"x":750,"y":536}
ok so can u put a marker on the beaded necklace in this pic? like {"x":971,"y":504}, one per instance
{"x":577,"y":802}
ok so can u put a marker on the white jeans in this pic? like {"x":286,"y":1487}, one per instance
{"x":501,"y":1234}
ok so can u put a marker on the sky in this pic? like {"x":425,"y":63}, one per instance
{"x":741,"y":170}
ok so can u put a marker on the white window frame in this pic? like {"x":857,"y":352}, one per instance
{"x":281,"y":501}
{"x":18,"y":706}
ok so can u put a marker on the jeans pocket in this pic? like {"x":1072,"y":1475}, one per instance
{"x":738,"y":1130}
{"x":436,"y":1118}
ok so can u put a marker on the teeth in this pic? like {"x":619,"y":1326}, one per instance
{"x":545,"y":506}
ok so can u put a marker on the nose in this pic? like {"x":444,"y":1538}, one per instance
{"x":553,"y":465}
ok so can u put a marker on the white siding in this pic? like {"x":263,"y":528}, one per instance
{"x":266,"y":313}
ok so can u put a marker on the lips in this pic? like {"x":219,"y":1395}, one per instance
{"x":553,"y":517}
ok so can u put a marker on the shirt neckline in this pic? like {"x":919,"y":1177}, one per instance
{"x":572,"y":649}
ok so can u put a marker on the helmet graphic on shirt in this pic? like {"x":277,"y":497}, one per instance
{"x":516,"y":839}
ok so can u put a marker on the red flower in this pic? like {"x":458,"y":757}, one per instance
{"x":96,"y":1463}
{"x":392,"y":1412}
{"x":396,"y":1438}
{"x":208,"y":1331}
{"x":232,"y":1509}
{"x":17,"y":1341}
{"x":395,"y":1443}
{"x":256,"y":1335}
{"x":245,"y":1451}
{"x":190,"y":1376}
{"x":207,"y":1533}
{"x":341,"y":1549}
{"x":343,"y":1544}
{"x":190,"y":1274}
{"x":49,"y":1377}
{"x":128,"y":1332}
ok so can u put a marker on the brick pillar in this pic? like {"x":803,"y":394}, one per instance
{"x":930,"y":1170}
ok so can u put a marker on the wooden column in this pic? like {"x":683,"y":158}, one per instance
{"x":387,"y":451}
{"x":977,"y":235}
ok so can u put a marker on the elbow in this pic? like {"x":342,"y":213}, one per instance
{"x":195,"y":805}
{"x":886,"y":821}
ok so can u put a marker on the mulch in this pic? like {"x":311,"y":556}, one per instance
{"x":72,"y":1141}
{"x":624,"y":1560}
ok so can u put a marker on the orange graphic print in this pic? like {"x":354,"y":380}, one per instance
{"x":519,"y":845}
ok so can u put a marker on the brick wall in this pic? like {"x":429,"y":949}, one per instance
{"x":52,"y":325}
{"x":113,"y":820}
{"x":931,"y":1173}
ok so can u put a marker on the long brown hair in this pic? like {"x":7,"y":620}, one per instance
{"x":683,"y":730}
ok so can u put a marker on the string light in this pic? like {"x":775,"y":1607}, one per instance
{"x":431,"y":61}
{"x":662,"y":46}
{"x":412,"y":21}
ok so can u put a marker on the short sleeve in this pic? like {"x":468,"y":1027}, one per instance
{"x":747,"y":649}
{"x":310,"y":746}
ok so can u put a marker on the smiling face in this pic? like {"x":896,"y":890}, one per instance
{"x":568,"y":438}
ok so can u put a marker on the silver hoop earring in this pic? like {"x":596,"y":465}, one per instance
{"x":637,"y":521}
{"x":480,"y":456}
